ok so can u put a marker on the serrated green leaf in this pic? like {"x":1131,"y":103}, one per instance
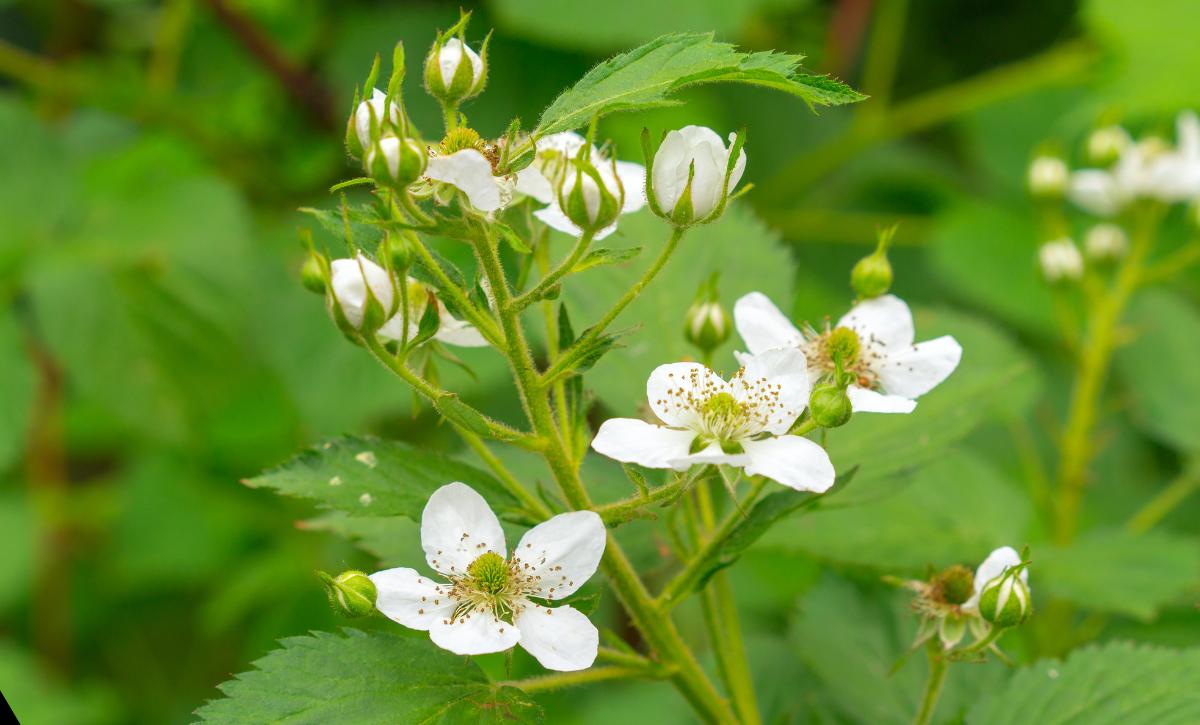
{"x":1120,"y":572}
{"x":647,"y":76}
{"x":366,"y":476}
{"x":598,"y":257}
{"x":1120,"y":682}
{"x":364,"y":677}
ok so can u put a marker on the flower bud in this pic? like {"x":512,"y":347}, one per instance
{"x":829,"y":405}
{"x":454,"y":72}
{"x":591,"y":197}
{"x":692,"y":174}
{"x":1048,"y":177}
{"x":396,"y":162}
{"x":1005,"y":600}
{"x":375,"y":111}
{"x":1060,"y":260}
{"x":361,"y":294}
{"x":707,"y":325}
{"x":1106,"y":144}
{"x":351,"y":593}
{"x":312,"y":276}
{"x":872,"y":275}
{"x":1106,"y":243}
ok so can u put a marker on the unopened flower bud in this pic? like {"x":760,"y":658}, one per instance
{"x":387,"y":119}
{"x":1005,"y":600}
{"x":1106,"y":243}
{"x":1060,"y":260}
{"x":829,"y":405}
{"x":396,"y":162}
{"x":591,"y":197}
{"x":454,"y":72}
{"x":312,"y":276}
{"x":398,"y":248}
{"x":1106,"y":144}
{"x":351,"y":593}
{"x":1048,"y":177}
{"x":361,"y":293}
{"x":692,"y":176}
{"x":707,"y":325}
{"x":872,"y":275}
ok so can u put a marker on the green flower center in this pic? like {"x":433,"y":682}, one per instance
{"x":489,"y":573}
{"x":843,"y":344}
{"x":461,"y":138}
{"x":956,"y":584}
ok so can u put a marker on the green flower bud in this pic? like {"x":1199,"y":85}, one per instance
{"x":1048,"y":177}
{"x":829,"y":406}
{"x":454,"y":72}
{"x":707,"y":325}
{"x":591,"y":197}
{"x":872,"y":275}
{"x":1106,"y":144}
{"x":351,"y":593}
{"x":1005,"y":600}
{"x":312,"y":276}
{"x":396,"y":162}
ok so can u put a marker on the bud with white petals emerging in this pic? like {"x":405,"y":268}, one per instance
{"x":1005,"y":600}
{"x":1060,"y":260}
{"x":1048,"y":177}
{"x":454,"y":72}
{"x":1106,"y":144}
{"x":707,"y":323}
{"x":591,"y":196}
{"x":374,"y":113}
{"x":692,"y":174}
{"x":396,"y":162}
{"x":351,"y":593}
{"x":1106,"y":243}
{"x":361,"y":295}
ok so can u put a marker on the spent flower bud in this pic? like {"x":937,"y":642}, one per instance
{"x":351,"y":593}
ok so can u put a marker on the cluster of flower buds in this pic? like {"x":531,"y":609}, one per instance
{"x":707,"y":324}
{"x":351,"y":593}
{"x":692,"y":174}
{"x":380,"y":133}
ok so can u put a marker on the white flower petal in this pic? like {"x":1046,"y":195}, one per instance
{"x":672,"y":387}
{"x":913,"y":371}
{"x":711,"y":454}
{"x":636,"y":441}
{"x":775,"y":385}
{"x":563,"y":552}
{"x":762,"y":326}
{"x":469,"y":172}
{"x":794,"y":461}
{"x":349,"y":280}
{"x":993,"y":566}
{"x":884,"y":320}
{"x":454,"y":331}
{"x":670,"y":170}
{"x":1095,"y":191}
{"x":406,"y":597}
{"x":709,"y":158}
{"x":458,"y":526}
{"x":532,"y":182}
{"x":562,"y":638}
{"x":739,"y":166}
{"x":633,"y":181}
{"x":863,"y":400}
{"x":553,"y":217}
{"x":476,"y":633}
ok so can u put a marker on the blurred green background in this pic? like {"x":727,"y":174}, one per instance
{"x":156,"y":346}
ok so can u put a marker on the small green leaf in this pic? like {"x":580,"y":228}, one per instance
{"x":598,"y":257}
{"x":365,"y":677}
{"x":365,"y":476}
{"x":456,"y":411}
{"x":647,"y":76}
{"x":513,"y":239}
{"x":1119,"y":682}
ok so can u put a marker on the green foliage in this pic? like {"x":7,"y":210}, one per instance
{"x":1153,"y":61}
{"x":647,"y":76}
{"x":35,"y":698}
{"x":366,"y":476}
{"x":1119,"y":682}
{"x":16,"y":389}
{"x":365,"y":678}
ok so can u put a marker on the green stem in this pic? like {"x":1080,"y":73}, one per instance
{"x":621,"y":511}
{"x":510,"y":482}
{"x":539,"y":291}
{"x":938,"y":666}
{"x":659,"y":631}
{"x":1157,"y":508}
{"x":883,"y":54}
{"x":447,"y":287}
{"x":560,"y":680}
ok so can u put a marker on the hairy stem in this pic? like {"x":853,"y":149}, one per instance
{"x":938,"y":666}
{"x":553,"y":276}
{"x":560,"y":680}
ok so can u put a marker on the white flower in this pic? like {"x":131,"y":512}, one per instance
{"x":1147,"y":169}
{"x":351,"y":278}
{"x":470,"y":172}
{"x":362,"y":116}
{"x":481,"y":602}
{"x":1176,"y":174}
{"x":551,"y":162}
{"x":700,"y":148}
{"x":1060,"y":260}
{"x":993,"y":567}
{"x":1048,"y":176}
{"x":1106,"y":241}
{"x":875,"y":341}
{"x":1106,"y":144}
{"x":743,"y":422}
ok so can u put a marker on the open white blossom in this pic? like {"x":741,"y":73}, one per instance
{"x":874,"y":341}
{"x":481,"y":600}
{"x":1176,"y":174}
{"x":993,"y":567}
{"x":699,"y":148}
{"x":742,"y":422}
{"x":469,"y":171}
{"x":351,"y":278}
{"x":551,"y":163}
{"x":1060,"y":260}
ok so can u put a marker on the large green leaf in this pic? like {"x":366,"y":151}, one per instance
{"x":365,"y":678}
{"x":365,"y":476}
{"x":1119,"y":682}
{"x":647,"y":76}
{"x":1159,"y":368}
{"x":1154,"y":62}
{"x":1117,"y":571}
{"x":953,"y":511}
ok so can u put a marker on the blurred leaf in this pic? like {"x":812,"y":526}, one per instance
{"x":365,"y":678}
{"x":1159,"y":368}
{"x":392,"y":540}
{"x":1121,"y":572}
{"x":962,"y":507}
{"x":645,"y":77}
{"x":17,"y":385}
{"x":35,"y":697}
{"x":851,"y":639}
{"x":1119,"y":682}
{"x":1155,"y":60}
{"x":366,"y":476}
{"x":18,"y":532}
{"x":994,"y":380}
